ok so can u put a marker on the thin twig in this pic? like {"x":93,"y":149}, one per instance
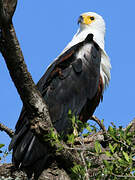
{"x":84,"y":161}
{"x":4,"y":128}
{"x":122,"y":176}
{"x":85,"y":166}
{"x":81,"y":149}
{"x":91,"y":138}
{"x":98,"y":121}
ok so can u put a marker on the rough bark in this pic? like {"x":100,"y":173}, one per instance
{"x":52,"y":173}
{"x":34,"y":103}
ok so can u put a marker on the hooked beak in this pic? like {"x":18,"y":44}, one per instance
{"x":80,"y":20}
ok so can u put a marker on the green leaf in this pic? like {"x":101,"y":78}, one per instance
{"x":106,"y":163}
{"x":113,"y":125}
{"x":71,"y":138}
{"x":73,"y":120}
{"x":69,"y":112}
{"x":122,"y":162}
{"x":1,"y":145}
{"x":102,"y":121}
{"x":78,"y":171}
{"x":89,"y":164}
{"x":94,"y":129}
{"x":89,"y":129}
{"x":111,"y":148}
{"x":126,"y":156}
{"x":108,"y":153}
{"x":97,"y":147}
{"x":111,"y":130}
{"x":128,"y":128}
{"x":85,"y":135}
{"x":128,"y":142}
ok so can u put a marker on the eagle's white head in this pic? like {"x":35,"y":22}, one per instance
{"x":93,"y":21}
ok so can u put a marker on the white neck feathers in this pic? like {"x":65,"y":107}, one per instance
{"x":98,"y":37}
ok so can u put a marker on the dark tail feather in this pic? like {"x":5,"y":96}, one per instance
{"x":30,"y":154}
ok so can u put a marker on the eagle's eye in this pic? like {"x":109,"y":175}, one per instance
{"x":92,"y":18}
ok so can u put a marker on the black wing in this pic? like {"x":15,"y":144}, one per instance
{"x":71,"y":82}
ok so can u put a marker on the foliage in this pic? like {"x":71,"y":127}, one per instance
{"x":1,"y":145}
{"x":115,"y":161}
{"x":112,"y":158}
{"x":120,"y":153}
{"x":3,"y":153}
{"x":78,"y":172}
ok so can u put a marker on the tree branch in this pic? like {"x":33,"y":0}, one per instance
{"x":7,"y":9}
{"x":4,"y":128}
{"x":32,"y":99}
{"x":98,"y":121}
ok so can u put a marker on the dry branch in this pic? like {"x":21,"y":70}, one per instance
{"x":4,"y":128}
{"x":98,"y":121}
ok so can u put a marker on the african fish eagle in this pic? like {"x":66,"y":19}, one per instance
{"x":74,"y":81}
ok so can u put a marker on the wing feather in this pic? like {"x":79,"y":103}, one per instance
{"x":71,"y":82}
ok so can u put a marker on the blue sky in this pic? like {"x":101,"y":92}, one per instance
{"x":45,"y":27}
